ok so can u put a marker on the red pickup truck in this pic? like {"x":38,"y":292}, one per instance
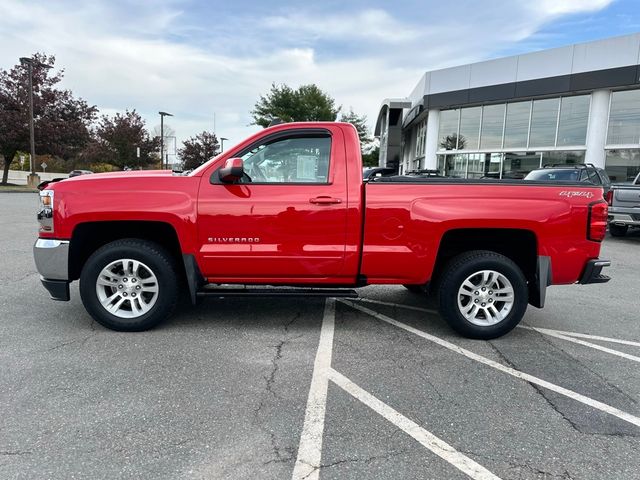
{"x":286,"y":212}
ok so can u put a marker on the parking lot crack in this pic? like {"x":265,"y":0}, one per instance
{"x":604,"y":380}
{"x":281,"y":454}
{"x":537,"y":389}
{"x":369,"y":459}
{"x":80,"y":340}
{"x":15,"y":452}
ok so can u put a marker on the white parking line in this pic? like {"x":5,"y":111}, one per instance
{"x":427,"y":439}
{"x":391,"y":304}
{"x":310,"y":450}
{"x":627,"y":417}
{"x":542,"y":330}
{"x":555,"y":334}
{"x":590,"y":337}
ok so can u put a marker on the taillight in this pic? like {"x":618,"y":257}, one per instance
{"x":609,"y":197}
{"x":597,"y":221}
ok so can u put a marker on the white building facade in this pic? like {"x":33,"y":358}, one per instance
{"x":502,"y":118}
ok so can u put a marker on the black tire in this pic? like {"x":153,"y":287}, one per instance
{"x":415,"y":288}
{"x":465,"y":265}
{"x":618,"y":230}
{"x":152,"y":255}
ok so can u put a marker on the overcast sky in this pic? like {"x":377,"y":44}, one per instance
{"x":194,"y":58}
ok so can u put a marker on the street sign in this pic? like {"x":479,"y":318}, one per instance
{"x":43,"y":165}
{"x":21,"y":161}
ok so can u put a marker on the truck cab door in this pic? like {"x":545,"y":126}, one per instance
{"x":285,"y":221}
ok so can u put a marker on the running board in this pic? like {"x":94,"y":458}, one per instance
{"x":276,"y":292}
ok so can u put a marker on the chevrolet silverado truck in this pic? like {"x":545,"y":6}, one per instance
{"x":286,"y":212}
{"x":624,"y":208}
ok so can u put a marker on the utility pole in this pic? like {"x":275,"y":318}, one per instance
{"x":33,"y":179}
{"x":222,"y":139}
{"x":162,"y":115}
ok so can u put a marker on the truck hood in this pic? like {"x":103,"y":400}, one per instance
{"x":115,"y":175}
{"x":111,"y":178}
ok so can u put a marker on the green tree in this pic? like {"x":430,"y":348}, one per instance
{"x":199,"y":149}
{"x":305,"y":104}
{"x":116,"y":140}
{"x":370,"y":158}
{"x":360,"y":122}
{"x":61,"y":121}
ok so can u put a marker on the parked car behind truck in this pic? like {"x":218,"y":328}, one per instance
{"x":288,"y":208}
{"x":624,"y":207}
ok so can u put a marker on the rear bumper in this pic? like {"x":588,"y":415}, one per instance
{"x":623,"y":219}
{"x":52,"y":261}
{"x":593,"y":272}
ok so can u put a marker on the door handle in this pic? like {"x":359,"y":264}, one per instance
{"x":324,"y":200}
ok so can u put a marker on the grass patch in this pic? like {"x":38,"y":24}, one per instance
{"x":11,"y":187}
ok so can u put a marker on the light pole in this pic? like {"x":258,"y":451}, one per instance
{"x":34,"y":178}
{"x":222,"y":139}
{"x":162,"y":115}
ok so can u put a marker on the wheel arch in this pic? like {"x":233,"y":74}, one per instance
{"x":519,"y":245}
{"x":87,"y":237}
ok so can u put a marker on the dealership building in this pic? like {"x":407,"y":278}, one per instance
{"x":502,"y":118}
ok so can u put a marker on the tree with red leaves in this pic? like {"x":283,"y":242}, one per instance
{"x":199,"y":149}
{"x":61,"y":121}
{"x":116,"y":141}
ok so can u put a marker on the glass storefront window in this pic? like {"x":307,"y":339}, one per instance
{"x":453,"y":165}
{"x":622,"y":165}
{"x":563,"y":158}
{"x":544,"y":121}
{"x":574,"y":115}
{"x":517,"y":165}
{"x":421,"y":132}
{"x":516,"y":128}
{"x":469,"y":128}
{"x":624,"y":118}
{"x":492,"y":126}
{"x":448,"y":131}
{"x":475,"y":166}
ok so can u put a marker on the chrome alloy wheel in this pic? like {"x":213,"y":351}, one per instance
{"x":485,"y":298}
{"x":127,"y":288}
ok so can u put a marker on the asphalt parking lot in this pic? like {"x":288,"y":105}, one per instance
{"x":329,"y":389}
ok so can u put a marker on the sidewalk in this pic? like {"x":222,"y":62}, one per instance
{"x":20,"y":178}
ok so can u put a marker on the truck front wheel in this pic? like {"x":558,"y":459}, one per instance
{"x":482,"y":294}
{"x":129,"y":285}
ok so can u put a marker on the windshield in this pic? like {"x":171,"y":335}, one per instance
{"x":552,"y":175}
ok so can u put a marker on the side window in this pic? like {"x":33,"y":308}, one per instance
{"x":591,"y":176}
{"x":295,"y":159}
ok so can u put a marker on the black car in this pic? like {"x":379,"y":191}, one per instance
{"x":76,"y":173}
{"x":373,"y":172}
{"x":587,"y":173}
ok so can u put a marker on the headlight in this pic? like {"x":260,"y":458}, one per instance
{"x":45,"y":211}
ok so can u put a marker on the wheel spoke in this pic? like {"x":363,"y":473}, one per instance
{"x":467,"y":285}
{"x":127,"y":288}
{"x":485,"y":298}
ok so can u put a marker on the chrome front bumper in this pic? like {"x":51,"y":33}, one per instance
{"x":52,"y":258}
{"x":52,"y":261}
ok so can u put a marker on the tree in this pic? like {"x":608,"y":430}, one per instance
{"x":61,"y":121}
{"x":199,"y":149}
{"x":304,"y":104}
{"x":116,"y":140}
{"x":360,"y":122}
{"x":370,"y":158}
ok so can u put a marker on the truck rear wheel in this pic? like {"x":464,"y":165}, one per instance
{"x":618,"y":230}
{"x":482,"y":294}
{"x":129,"y":285}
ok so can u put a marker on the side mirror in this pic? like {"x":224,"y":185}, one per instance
{"x":232,"y":171}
